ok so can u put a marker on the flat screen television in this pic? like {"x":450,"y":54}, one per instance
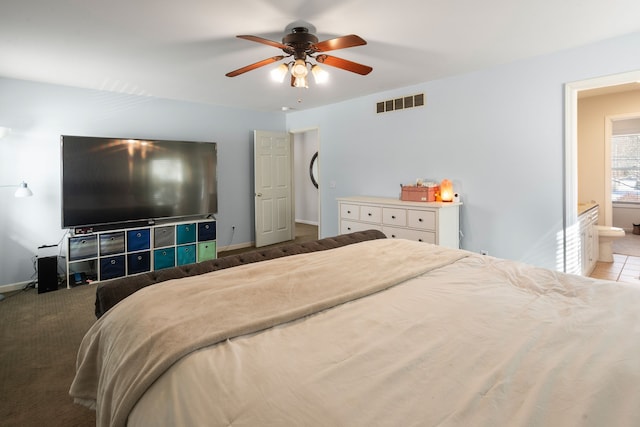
{"x":111,"y":182}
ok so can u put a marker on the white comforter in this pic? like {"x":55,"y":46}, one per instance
{"x":478,"y":342}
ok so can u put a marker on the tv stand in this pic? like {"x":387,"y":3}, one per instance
{"x":111,"y":254}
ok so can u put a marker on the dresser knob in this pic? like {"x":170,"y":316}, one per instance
{"x":348,"y":212}
{"x":419,"y":219}
{"x":419,"y":240}
{"x":369,"y":214}
{"x":393,"y":217}
{"x":113,"y":261}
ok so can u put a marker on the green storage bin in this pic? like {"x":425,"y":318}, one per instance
{"x":206,"y":251}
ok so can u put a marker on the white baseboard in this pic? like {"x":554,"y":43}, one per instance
{"x":302,"y":221}
{"x":234,"y":247}
{"x":14,"y":286}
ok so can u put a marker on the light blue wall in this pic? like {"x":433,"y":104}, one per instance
{"x":498,"y":134}
{"x":39,"y":113}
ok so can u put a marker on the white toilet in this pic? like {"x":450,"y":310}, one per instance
{"x":606,"y":236}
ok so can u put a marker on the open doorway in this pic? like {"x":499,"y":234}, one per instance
{"x":306,"y":159}
{"x":572,"y":196}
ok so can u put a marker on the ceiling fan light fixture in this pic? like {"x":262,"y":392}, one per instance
{"x":299,"y":69}
{"x":278,"y":73}
{"x":320,"y":75}
{"x":301,"y":82}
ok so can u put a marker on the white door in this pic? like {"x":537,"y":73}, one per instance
{"x":272,"y":176}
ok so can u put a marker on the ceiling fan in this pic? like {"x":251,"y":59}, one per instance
{"x":302,"y":45}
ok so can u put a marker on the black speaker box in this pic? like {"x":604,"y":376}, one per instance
{"x":47,"y":274}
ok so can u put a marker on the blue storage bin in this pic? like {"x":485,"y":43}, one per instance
{"x":164,"y":258}
{"x":112,"y":267}
{"x":138,"y":240}
{"x":206,"y":231}
{"x":186,"y":254}
{"x":185,"y":233}
{"x":138,"y":262}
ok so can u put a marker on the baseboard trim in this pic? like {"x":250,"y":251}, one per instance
{"x":234,"y":247}
{"x":14,"y":286}
{"x":302,"y":221}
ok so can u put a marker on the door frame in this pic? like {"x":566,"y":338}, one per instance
{"x":570,"y":208}
{"x":292,"y":132}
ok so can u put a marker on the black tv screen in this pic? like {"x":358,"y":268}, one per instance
{"x":116,"y":180}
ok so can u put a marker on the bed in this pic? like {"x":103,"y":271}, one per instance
{"x":382,"y":332}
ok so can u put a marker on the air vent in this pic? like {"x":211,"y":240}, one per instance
{"x":400,"y":103}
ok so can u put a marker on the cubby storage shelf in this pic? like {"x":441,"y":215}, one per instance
{"x":118,"y":253}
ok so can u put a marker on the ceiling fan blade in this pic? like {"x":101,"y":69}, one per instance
{"x":339,"y":43}
{"x":354,"y":67}
{"x":264,"y":41}
{"x":254,"y":66}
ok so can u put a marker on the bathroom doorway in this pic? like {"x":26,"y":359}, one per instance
{"x":572,"y":195}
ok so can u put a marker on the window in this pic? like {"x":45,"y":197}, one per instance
{"x":625,"y":161}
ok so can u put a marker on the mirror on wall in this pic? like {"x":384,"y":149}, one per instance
{"x":313,"y":169}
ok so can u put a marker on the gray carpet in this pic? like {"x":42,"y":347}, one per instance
{"x":40,"y":335}
{"x":39,"y":338}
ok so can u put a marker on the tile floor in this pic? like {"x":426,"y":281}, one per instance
{"x":624,"y":268}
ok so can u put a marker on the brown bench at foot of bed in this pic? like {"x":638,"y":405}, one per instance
{"x":110,"y":292}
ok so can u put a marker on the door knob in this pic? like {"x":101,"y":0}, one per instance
{"x":258,"y":194}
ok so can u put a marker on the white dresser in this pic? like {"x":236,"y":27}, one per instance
{"x":432,"y":222}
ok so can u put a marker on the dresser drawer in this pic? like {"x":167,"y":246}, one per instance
{"x":349,"y":211}
{"x":425,"y":220}
{"x":371,"y":213}
{"x":392,"y":216}
{"x":404,"y":233}
{"x":353,"y":226}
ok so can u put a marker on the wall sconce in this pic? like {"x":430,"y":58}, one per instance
{"x":446,"y":190}
{"x":22,"y":191}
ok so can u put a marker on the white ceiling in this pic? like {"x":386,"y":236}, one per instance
{"x":182,"y":49}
